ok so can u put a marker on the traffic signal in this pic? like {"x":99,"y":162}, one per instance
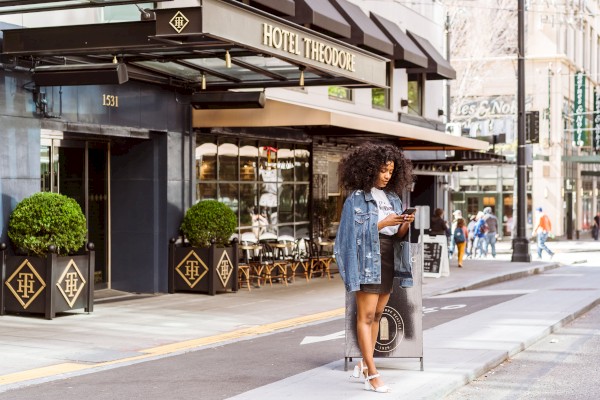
{"x":532,"y":127}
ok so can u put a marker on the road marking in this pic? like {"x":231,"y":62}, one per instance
{"x":317,"y":339}
{"x":65,"y":368}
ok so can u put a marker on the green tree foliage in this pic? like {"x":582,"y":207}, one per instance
{"x":46,"y":219}
{"x":206,"y":220}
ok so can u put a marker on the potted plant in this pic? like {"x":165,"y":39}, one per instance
{"x":206,"y":260}
{"x":50,"y":271}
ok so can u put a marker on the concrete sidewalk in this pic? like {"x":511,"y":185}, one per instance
{"x":138,"y":328}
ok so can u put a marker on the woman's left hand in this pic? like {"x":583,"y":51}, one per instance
{"x":408,"y":218}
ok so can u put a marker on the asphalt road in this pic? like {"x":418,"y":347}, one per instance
{"x":224,"y":371}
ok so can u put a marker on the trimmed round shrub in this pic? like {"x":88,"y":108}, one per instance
{"x":207,"y":220}
{"x":46,"y":219}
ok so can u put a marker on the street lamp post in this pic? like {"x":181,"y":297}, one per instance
{"x":520,"y":243}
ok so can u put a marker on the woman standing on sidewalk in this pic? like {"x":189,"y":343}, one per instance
{"x":368,"y":246}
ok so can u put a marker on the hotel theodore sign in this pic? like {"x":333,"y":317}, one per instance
{"x":312,"y":49}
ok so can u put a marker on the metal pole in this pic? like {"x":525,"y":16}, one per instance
{"x":520,"y":243}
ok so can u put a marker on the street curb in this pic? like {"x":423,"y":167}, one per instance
{"x":496,"y":279}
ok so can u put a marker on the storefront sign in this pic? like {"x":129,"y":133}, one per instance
{"x":596,"y":130}
{"x":294,"y":43}
{"x":288,"y":42}
{"x":579,"y":136}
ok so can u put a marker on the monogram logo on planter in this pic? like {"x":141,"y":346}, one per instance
{"x":224,"y":268}
{"x":71,"y":283}
{"x":25,"y":284}
{"x":192,"y":269}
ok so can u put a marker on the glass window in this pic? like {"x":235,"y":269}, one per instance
{"x":258,"y":180}
{"x":285,"y":162}
{"x":340,"y":93}
{"x":415,"y":94}
{"x":228,"y":194}
{"x":206,"y":191}
{"x":286,"y":203}
{"x":248,"y":160}
{"x":302,"y":164}
{"x":380,"y":98}
{"x":228,"y":160}
{"x":206,"y":162}
{"x":302,"y":194}
{"x":248,"y":204}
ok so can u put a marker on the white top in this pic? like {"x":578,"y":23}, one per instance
{"x":385,"y":208}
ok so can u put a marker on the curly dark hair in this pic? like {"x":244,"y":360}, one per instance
{"x":359,"y":169}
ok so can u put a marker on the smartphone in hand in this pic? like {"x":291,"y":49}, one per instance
{"x":409,"y":211}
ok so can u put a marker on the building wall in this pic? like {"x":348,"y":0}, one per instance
{"x":20,"y":150}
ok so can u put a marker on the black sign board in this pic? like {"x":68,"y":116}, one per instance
{"x":401,"y":325}
{"x":432,"y":257}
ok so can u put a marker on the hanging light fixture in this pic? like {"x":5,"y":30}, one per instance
{"x":227,"y":59}
{"x":203,"y":84}
{"x":301,"y":76}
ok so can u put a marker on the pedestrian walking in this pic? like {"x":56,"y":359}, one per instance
{"x":492,"y":233}
{"x":365,"y":246}
{"x":460,"y":236}
{"x":480,"y":230}
{"x":456,"y":215}
{"x":471,"y":237}
{"x":542,"y":230}
{"x":596,"y":227}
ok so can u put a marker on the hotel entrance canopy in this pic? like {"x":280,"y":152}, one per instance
{"x":219,"y":45}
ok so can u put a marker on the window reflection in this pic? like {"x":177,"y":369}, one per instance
{"x":302,"y":193}
{"x":259,"y":181}
{"x":228,"y":157}
{"x":206,"y":162}
{"x":302,"y":164}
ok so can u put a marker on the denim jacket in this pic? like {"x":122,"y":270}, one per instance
{"x":357,"y":250}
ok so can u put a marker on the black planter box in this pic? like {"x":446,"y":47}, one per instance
{"x":203,"y":269}
{"x":50,"y":285}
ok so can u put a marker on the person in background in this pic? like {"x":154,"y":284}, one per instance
{"x":542,"y":230}
{"x":479,"y":231}
{"x":456,"y":214}
{"x":596,"y":227}
{"x":471,"y":236}
{"x":492,"y":233}
{"x":371,"y":236}
{"x":438,"y":225}
{"x":461,"y":240}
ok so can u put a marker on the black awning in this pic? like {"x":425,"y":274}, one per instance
{"x":406,"y":52}
{"x":365,"y":33}
{"x":222,"y":45}
{"x":438,"y":67}
{"x":279,"y":7}
{"x":322,"y":16}
{"x":461,"y":159}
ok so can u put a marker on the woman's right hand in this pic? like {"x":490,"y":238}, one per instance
{"x":393,"y":219}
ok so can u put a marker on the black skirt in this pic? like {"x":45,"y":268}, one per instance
{"x":386,"y":244}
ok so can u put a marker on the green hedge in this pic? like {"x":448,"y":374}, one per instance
{"x":46,"y":219}
{"x":206,"y":220}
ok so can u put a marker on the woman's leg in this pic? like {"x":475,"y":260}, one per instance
{"x":461,"y":252}
{"x":367,"y":328}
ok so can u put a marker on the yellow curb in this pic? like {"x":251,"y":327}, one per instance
{"x":64,"y":368}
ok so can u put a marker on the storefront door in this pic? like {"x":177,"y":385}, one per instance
{"x":79,"y":169}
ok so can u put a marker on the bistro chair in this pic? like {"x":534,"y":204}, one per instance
{"x":273,"y":265}
{"x":300,"y":260}
{"x":244,"y":269}
{"x":319,"y":262}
